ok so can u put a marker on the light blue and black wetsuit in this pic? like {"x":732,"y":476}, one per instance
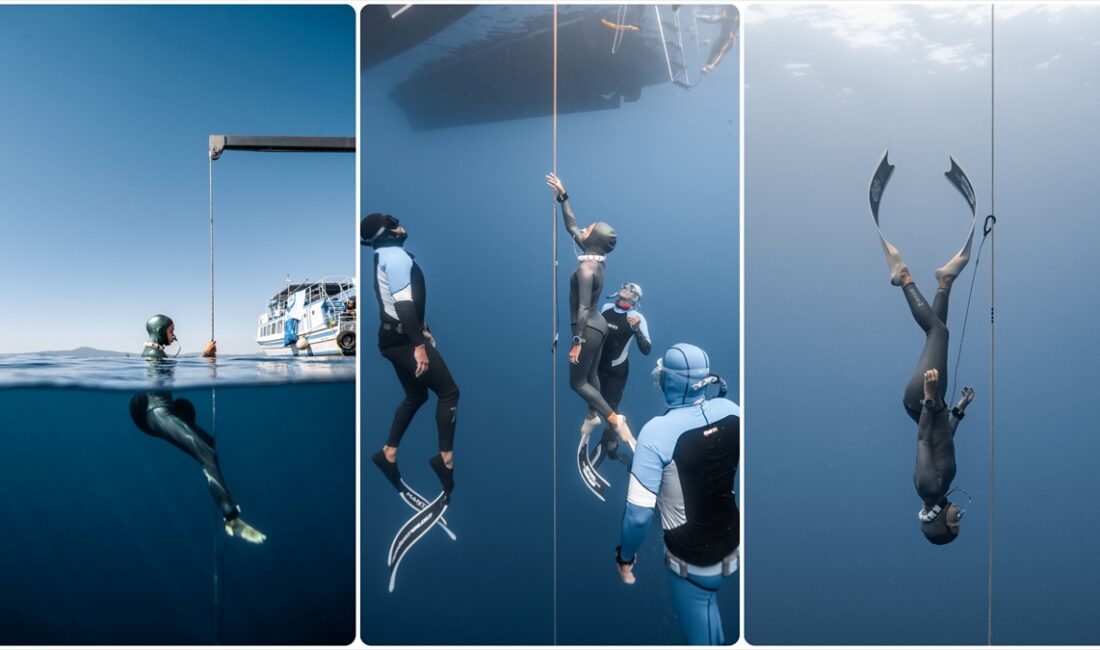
{"x":399,"y":286}
{"x":585,"y":290}
{"x":685,"y":463}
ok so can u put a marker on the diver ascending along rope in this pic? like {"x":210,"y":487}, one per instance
{"x":925,"y":394}
{"x":589,"y":331}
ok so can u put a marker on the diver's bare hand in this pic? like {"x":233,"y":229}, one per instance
{"x":420,"y":354}
{"x":633,"y":320}
{"x":211,"y":349}
{"x":967,"y":397}
{"x":555,"y":183}
{"x":575,"y":354}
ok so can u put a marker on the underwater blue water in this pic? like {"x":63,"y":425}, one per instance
{"x":833,"y":551}
{"x":663,"y":171}
{"x":111,"y":537}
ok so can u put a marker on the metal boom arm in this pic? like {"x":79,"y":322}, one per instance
{"x":220,"y":143}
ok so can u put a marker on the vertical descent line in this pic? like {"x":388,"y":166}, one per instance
{"x":554,"y":346}
{"x":992,"y":305}
{"x":210,"y":185}
{"x":213,"y":427}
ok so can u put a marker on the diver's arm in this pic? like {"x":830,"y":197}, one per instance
{"x":575,"y":231}
{"x":566,"y":211}
{"x":586,"y":302}
{"x":636,"y":520}
{"x":646,"y":473}
{"x":959,"y":411}
{"x":641,"y":334}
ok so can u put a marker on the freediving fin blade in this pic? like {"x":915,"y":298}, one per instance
{"x":592,"y":479}
{"x":412,"y":532}
{"x":958,"y":178}
{"x":879,"y":179}
{"x":417,"y":502}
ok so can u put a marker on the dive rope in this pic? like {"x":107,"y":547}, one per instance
{"x":554,"y":328}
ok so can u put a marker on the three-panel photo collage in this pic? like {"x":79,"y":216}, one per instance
{"x":753,"y":324}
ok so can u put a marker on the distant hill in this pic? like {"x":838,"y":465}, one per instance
{"x":85,"y":351}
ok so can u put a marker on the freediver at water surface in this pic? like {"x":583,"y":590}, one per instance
{"x":925,"y":394}
{"x":589,"y":329}
{"x":157,"y":414}
{"x":624,"y":324}
{"x":404,"y":339}
{"x":685,"y":465}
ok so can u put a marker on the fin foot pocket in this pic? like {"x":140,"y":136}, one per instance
{"x":389,"y":470}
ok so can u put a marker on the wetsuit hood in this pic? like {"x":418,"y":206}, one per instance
{"x":157,"y":327}
{"x":601,"y":240}
{"x":684,"y":374}
{"x":937,"y":531}
{"x":377,"y":230}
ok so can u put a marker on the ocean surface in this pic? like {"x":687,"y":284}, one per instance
{"x":534,"y":558}
{"x":111,"y":537}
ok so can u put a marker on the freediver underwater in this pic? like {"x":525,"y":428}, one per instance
{"x":589,"y":328}
{"x":174,"y":420}
{"x":625,"y":323}
{"x":685,"y":465}
{"x":926,"y":392}
{"x":405,"y":340}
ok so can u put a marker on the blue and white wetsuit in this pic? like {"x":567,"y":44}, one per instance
{"x":684,"y":464}
{"x":399,"y":286}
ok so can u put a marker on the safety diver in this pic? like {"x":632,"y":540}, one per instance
{"x":405,"y":340}
{"x":588,"y":325}
{"x":685,"y":465}
{"x":157,"y":414}
{"x":925,"y":396}
{"x":624,"y":323}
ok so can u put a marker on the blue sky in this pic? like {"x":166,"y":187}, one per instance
{"x":827,"y":89}
{"x":103,"y":184}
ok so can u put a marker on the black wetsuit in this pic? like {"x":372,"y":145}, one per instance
{"x":157,"y":414}
{"x":399,"y":286}
{"x":585,"y":290}
{"x":935,"y":426}
{"x":614,"y":365}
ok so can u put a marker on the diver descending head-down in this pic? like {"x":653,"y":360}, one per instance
{"x":926,"y":392}
{"x":624,"y":323}
{"x":589,"y":330}
{"x":685,"y":465}
{"x":157,"y":414}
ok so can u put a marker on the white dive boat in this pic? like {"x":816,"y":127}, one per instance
{"x":310,"y":318}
